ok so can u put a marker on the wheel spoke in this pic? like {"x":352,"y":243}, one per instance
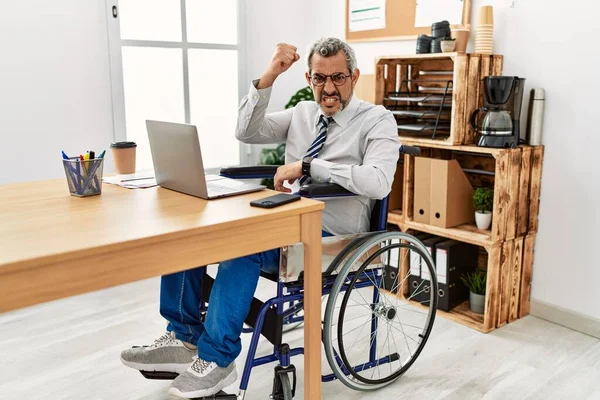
{"x":396,"y":311}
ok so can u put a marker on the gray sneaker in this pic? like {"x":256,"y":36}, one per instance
{"x":203,"y":378}
{"x":166,"y":354}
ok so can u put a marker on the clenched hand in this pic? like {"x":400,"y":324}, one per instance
{"x":283,"y":58}
{"x":288,"y":172}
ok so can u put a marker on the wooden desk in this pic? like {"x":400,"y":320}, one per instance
{"x":54,"y":245}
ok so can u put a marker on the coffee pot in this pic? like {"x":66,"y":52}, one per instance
{"x":498,"y":123}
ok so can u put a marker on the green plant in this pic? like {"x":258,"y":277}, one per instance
{"x":304,"y":94}
{"x":276,"y":156}
{"x":475,"y":281}
{"x":483,"y":199}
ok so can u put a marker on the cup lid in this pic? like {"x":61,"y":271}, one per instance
{"x":122,"y":145}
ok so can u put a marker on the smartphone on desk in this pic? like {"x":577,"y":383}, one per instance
{"x":275,"y":201}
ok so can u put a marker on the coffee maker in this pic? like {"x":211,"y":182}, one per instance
{"x":499,"y":124}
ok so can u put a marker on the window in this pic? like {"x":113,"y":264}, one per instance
{"x":177,"y":60}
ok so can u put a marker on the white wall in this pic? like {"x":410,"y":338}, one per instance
{"x":54,"y":85}
{"x":550,"y":44}
{"x":55,"y":95}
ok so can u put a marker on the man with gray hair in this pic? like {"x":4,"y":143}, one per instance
{"x":336,"y":138}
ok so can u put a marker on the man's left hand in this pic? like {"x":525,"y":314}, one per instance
{"x":288,"y":172}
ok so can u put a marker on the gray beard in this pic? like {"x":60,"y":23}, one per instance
{"x":343,"y":102}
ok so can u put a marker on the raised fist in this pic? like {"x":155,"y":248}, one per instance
{"x":284,"y":56}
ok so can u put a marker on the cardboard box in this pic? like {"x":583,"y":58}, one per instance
{"x":442,"y":193}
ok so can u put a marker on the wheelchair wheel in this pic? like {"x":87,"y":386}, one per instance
{"x":371,"y":335}
{"x":286,"y":387}
{"x":331,"y":269}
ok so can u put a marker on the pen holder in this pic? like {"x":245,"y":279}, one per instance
{"x":84,"y":177}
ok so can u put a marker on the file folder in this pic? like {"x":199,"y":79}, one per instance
{"x":451,"y":195}
{"x":414,"y":279}
{"x":390,"y":271}
{"x":453,"y":258}
{"x":425,"y":277}
{"x":422,"y":190}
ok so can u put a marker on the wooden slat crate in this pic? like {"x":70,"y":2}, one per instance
{"x":514,"y":279}
{"x":509,"y":270}
{"x":515,"y":175}
{"x":466,"y":72}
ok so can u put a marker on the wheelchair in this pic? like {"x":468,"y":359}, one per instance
{"x":373,"y":327}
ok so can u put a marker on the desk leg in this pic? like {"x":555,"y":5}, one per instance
{"x":311,"y":237}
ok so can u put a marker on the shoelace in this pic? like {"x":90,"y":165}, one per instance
{"x":164,"y":340}
{"x":200,"y":365}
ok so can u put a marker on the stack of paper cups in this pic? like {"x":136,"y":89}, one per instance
{"x":484,"y":37}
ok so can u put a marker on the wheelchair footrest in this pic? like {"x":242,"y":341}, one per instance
{"x":159,"y":375}
{"x":172,"y":375}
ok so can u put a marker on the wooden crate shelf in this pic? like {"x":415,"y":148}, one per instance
{"x":515,"y":175}
{"x":509,"y":268}
{"x":465,"y":233}
{"x":461,"y":314}
{"x":516,"y":182}
{"x":395,"y":217}
{"x":423,"y":74}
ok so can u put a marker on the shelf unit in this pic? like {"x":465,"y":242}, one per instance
{"x":515,"y":175}
{"x":401,"y":81}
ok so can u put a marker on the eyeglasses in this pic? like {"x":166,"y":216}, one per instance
{"x":338,"y":79}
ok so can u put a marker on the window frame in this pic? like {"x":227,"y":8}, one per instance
{"x":115,"y":44}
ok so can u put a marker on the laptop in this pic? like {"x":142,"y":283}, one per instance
{"x":178,"y":163}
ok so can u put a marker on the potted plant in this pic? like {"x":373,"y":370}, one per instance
{"x":304,"y":94}
{"x":270,"y":156}
{"x":476,"y":281}
{"x":276,"y":156}
{"x":483,"y":200}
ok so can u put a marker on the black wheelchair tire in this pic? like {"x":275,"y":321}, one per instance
{"x":343,"y":355}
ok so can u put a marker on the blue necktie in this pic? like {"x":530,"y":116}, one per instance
{"x":317,"y":144}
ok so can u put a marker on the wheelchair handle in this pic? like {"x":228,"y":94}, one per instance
{"x":410,"y":150}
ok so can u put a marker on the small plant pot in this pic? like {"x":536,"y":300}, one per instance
{"x":477,"y":302}
{"x":483,"y":219}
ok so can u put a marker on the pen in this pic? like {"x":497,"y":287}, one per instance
{"x":102,"y":154}
{"x":92,"y":173}
{"x":74,"y":177}
{"x":84,"y":168}
{"x":92,"y":157}
{"x":78,"y":167}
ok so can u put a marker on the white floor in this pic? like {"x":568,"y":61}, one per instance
{"x":69,"y":349}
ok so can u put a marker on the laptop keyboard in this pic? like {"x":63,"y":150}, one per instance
{"x":213,"y":188}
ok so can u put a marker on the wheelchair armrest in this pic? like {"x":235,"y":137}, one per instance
{"x":250,"y":172}
{"x":316,"y":190}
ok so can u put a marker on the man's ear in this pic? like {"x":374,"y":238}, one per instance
{"x":355,"y":76}
{"x":307,"y":78}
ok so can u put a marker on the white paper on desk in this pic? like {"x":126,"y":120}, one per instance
{"x":117,"y":179}
{"x":139,"y":183}
{"x":430,"y":11}
{"x":366,"y":15}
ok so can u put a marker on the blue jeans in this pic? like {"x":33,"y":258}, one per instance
{"x":218,"y":339}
